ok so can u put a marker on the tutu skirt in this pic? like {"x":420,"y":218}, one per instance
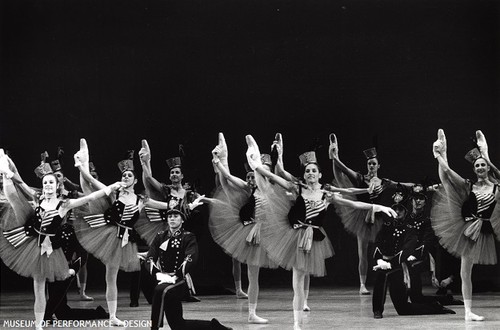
{"x":148,"y":227}
{"x":450,"y":226}
{"x":241,"y":242}
{"x":282,"y":241}
{"x":355,"y":221}
{"x":26,"y":260}
{"x":104,"y":244}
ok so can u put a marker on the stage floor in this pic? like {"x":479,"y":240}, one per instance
{"x":331,"y":308}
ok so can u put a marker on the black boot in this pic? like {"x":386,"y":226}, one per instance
{"x":102,"y":313}
{"x":215,"y":324}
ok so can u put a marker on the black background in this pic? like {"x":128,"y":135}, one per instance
{"x":179,"y":72}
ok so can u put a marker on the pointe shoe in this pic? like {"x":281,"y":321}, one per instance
{"x":4,"y":165}
{"x":144,"y":152}
{"x":333,"y":149}
{"x":84,"y":297}
{"x":439,"y":146}
{"x":223,"y":154}
{"x":363,"y":290}
{"x":115,"y":322}
{"x":306,"y":308}
{"x":469,"y":316}
{"x":241,"y":295}
{"x":253,"y":318}
{"x":82,"y":156}
{"x":482,"y":144}
{"x":253,"y":153}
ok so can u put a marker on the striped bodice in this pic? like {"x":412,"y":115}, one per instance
{"x":128,"y":212}
{"x":259,"y":201}
{"x":46,"y":217}
{"x":313,"y":208}
{"x":376,"y":192}
{"x":484,"y":202}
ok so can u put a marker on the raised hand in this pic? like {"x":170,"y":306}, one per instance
{"x":197,"y":202}
{"x":117,"y":185}
{"x":387,"y":210}
{"x":439,"y":146}
{"x":333,"y":149}
{"x":382,"y":264}
{"x":145,"y":152}
{"x":482,"y":144}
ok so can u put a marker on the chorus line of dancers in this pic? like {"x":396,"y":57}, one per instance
{"x":269,"y":219}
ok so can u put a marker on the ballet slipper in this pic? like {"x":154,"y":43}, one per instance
{"x":115,"y":322}
{"x":254,"y":319}
{"x":363,"y":290}
{"x":333,"y":149}
{"x":469,"y":316}
{"x":253,"y":153}
{"x":223,"y":153}
{"x":439,"y":146}
{"x":482,"y":144}
{"x":278,"y":143}
{"x":4,"y":165}
{"x":82,"y":156}
{"x":145,"y":152}
{"x":241,"y":295}
{"x":84,"y":297}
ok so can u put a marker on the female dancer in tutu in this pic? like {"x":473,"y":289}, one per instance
{"x":109,"y":234}
{"x":357,"y":221}
{"x":465,"y":216}
{"x":34,"y":249}
{"x":219,"y":181}
{"x":236,"y":218}
{"x":294,"y":237}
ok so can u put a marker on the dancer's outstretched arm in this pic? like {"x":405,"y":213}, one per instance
{"x":164,"y":205}
{"x":336,"y":199}
{"x":106,"y":191}
{"x":347,"y":191}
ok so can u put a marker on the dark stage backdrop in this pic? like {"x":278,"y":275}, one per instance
{"x":178,"y":72}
